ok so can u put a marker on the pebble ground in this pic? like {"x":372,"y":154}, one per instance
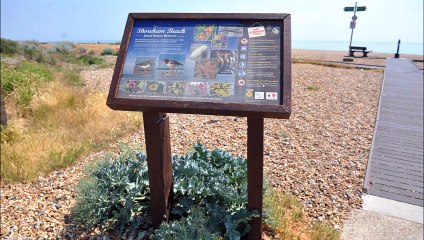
{"x":319,"y":154}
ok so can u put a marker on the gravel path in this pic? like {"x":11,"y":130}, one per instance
{"x":319,"y":155}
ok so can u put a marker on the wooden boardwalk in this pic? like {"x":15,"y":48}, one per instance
{"x":395,"y":165}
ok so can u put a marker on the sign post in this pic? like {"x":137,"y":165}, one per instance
{"x":159,"y":164}
{"x":255,"y":159}
{"x":215,"y":64}
{"x":352,"y":26}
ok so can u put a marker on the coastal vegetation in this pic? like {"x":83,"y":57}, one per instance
{"x":52,"y":118}
{"x":210,"y":200}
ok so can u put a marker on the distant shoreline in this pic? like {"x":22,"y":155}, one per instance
{"x":378,"y":47}
{"x":409,"y":48}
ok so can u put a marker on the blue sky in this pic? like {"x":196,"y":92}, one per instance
{"x":104,"y":20}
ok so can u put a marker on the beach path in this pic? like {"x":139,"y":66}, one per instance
{"x":395,"y":167}
{"x":393,"y":203}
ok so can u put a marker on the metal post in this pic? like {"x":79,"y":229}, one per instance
{"x":348,"y":59}
{"x":397,"y":51}
{"x":351,"y":33}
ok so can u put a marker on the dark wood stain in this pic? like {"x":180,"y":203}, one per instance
{"x":159,"y":163}
{"x":255,"y":163}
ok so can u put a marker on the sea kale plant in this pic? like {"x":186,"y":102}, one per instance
{"x":210,"y":196}
{"x":115,"y":194}
{"x":215,"y":174}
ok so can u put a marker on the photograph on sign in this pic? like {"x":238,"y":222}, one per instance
{"x":203,"y":60}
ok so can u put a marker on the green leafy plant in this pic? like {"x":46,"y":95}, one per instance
{"x":116,"y":192}
{"x":192,"y":227}
{"x":215,"y":174}
{"x":8,"y":47}
{"x":91,"y":59}
{"x":24,"y":80}
{"x":210,"y":189}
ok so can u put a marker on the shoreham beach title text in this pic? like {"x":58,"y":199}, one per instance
{"x":156,"y":32}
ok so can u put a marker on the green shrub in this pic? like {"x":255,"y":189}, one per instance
{"x":91,"y":59}
{"x":212,"y":174}
{"x":9,"y":47}
{"x":192,"y":227}
{"x":30,"y":49}
{"x":210,"y":189}
{"x":24,"y":80}
{"x":115,"y":193}
{"x":43,"y":72}
{"x":107,"y":51}
{"x":62,"y":47}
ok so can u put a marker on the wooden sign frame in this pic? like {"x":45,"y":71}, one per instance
{"x":282,"y":110}
{"x":156,"y":122}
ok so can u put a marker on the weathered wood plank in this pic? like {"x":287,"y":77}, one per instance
{"x":399,"y":191}
{"x":400,"y":179}
{"x":396,"y":172}
{"x":396,"y":184}
{"x":396,"y":197}
{"x":158,"y":150}
{"x":395,"y":165}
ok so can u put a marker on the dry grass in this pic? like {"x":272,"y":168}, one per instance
{"x":285,"y":220}
{"x":65,"y":123}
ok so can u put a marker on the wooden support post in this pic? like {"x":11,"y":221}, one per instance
{"x":158,"y":150}
{"x":255,"y":150}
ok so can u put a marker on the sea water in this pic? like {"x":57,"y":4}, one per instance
{"x":378,"y":47}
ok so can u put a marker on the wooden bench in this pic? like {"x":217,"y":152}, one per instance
{"x":354,"y":49}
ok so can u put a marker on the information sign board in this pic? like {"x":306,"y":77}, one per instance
{"x":220,"y":64}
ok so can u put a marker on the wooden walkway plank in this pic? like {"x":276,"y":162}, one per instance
{"x":394,"y":172}
{"x":395,"y":165}
{"x":395,"y":178}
